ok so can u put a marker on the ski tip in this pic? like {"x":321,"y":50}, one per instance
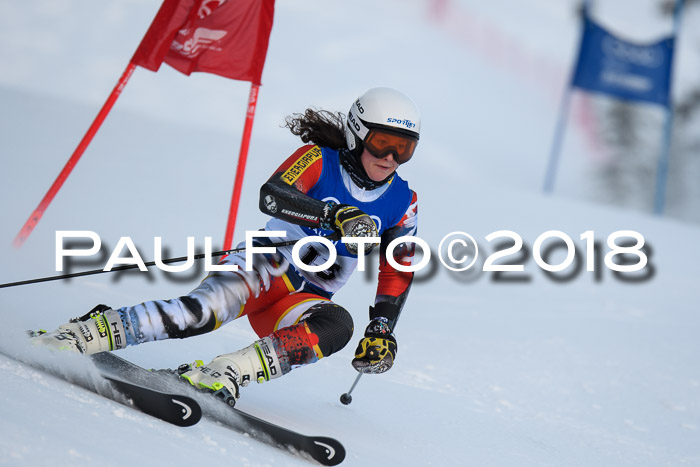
{"x":327,"y":451}
{"x":190,"y":411}
{"x":177,"y":409}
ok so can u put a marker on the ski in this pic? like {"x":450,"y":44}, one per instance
{"x":177,"y":409}
{"x":180,"y":410}
{"x":324,"y":450}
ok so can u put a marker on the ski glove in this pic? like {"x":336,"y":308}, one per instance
{"x":349,"y":221}
{"x":376,"y":351}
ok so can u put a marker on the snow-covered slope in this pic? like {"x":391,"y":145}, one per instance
{"x":534,"y":372}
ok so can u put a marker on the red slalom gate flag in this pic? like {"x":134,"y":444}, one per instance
{"x":228,"y":38}
{"x":225,"y":37}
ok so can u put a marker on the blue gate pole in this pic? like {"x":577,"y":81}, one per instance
{"x":662,"y":167}
{"x":555,"y":151}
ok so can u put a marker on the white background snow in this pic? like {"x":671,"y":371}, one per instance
{"x":533,"y":373}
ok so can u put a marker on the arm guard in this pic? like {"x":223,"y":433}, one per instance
{"x":286,"y":202}
{"x":284,"y":195}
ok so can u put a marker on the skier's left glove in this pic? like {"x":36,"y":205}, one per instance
{"x":376,"y":351}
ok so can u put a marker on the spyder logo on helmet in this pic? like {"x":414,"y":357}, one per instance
{"x":404,"y":122}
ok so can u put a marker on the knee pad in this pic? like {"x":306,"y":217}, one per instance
{"x":332,"y":324}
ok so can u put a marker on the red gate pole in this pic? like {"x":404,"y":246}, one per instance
{"x":240,"y":169}
{"x":58,"y":183}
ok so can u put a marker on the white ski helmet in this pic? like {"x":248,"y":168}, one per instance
{"x":384,"y":109}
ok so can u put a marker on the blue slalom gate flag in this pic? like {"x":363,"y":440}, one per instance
{"x":623,"y":69}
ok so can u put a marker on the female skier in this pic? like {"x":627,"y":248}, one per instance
{"x":345,"y":184}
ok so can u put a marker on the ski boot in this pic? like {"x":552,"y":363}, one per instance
{"x":99,"y":330}
{"x":224,"y":375}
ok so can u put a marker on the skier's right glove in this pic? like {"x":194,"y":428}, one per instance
{"x":350,"y":221}
{"x":376,"y":352}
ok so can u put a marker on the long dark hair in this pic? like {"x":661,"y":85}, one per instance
{"x":319,"y":127}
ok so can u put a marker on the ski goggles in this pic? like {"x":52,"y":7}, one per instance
{"x":381,"y":143}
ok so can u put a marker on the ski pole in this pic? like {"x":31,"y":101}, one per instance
{"x":347,"y":398}
{"x":134,"y":266}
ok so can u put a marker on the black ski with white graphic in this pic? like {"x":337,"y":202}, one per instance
{"x":174,"y":408}
{"x":177,"y":409}
{"x":326,"y":451}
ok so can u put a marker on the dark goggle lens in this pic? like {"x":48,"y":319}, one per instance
{"x":382,"y":143}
